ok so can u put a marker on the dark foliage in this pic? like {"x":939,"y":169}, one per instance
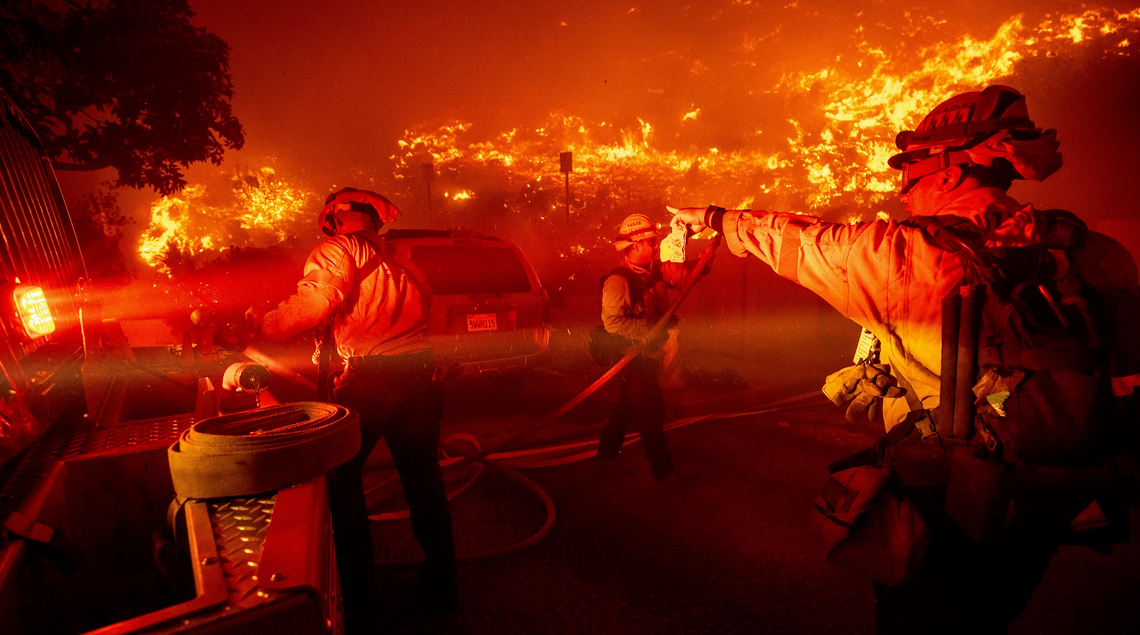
{"x":99,"y":225}
{"x":127,"y":84}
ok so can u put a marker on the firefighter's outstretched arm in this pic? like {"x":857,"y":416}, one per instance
{"x":328,"y":278}
{"x":815,"y":254}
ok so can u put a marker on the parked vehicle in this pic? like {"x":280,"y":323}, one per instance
{"x":489,"y":312}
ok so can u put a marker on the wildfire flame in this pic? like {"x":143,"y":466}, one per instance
{"x":828,"y":152}
{"x":864,"y":113}
{"x":264,"y":211}
{"x":834,"y":155}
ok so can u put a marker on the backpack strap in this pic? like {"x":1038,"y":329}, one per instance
{"x":636,"y":286}
{"x":387,"y":251}
{"x":918,"y":417}
{"x":1057,"y":229}
{"x":961,"y":238}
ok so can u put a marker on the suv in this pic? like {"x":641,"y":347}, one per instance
{"x":489,"y":312}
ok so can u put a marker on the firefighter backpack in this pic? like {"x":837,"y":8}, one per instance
{"x":1031,"y":388}
{"x":607,"y":348}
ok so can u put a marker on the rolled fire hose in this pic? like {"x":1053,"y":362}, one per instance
{"x":261,"y":450}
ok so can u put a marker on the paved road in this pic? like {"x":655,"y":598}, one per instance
{"x":729,"y":551}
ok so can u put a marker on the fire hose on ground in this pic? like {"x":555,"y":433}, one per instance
{"x":213,"y":458}
{"x":509,"y":462}
{"x":481,"y":456}
{"x":501,"y":455}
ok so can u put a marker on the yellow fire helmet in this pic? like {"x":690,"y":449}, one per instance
{"x":977,"y":128}
{"x":635,"y":227}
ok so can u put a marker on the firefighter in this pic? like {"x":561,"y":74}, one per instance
{"x":634,"y":297}
{"x":891,"y":278}
{"x":377,"y":302}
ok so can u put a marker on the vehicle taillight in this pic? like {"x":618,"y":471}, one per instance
{"x":34,"y":312}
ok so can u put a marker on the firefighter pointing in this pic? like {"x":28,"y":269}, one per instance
{"x":377,"y":303}
{"x":1001,"y":328}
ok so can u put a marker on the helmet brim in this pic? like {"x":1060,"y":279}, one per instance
{"x":621,"y":243}
{"x":899,"y":160}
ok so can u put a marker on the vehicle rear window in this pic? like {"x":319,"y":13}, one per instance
{"x":458,"y":269}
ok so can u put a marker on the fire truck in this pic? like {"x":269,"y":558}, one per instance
{"x":89,"y":407}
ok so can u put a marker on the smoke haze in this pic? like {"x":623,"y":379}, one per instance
{"x":735,"y":102}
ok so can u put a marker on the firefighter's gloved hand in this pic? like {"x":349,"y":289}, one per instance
{"x":233,"y":336}
{"x":255,"y":315}
{"x":694,"y":217}
{"x":862,"y":388}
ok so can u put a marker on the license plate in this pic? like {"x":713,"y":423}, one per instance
{"x":482,"y":322}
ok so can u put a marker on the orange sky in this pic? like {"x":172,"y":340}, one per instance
{"x":325,"y":90}
{"x":336,"y":82}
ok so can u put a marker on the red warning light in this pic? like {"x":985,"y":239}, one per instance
{"x":34,"y":312}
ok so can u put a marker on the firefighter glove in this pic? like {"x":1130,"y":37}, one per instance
{"x":862,"y":388}
{"x":255,"y":315}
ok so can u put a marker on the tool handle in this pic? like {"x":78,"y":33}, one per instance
{"x":698,"y":272}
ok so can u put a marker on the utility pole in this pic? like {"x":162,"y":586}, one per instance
{"x":566,"y":166}
{"x":429,"y":174}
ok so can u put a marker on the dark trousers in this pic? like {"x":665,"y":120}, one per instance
{"x":396,"y":399}
{"x":641,"y":403}
{"x":961,"y":586}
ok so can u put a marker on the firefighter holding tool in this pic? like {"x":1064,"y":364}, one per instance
{"x":1004,"y":332}
{"x":634,"y":296}
{"x":377,"y":302}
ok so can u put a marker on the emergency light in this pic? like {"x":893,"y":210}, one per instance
{"x":34,"y":312}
